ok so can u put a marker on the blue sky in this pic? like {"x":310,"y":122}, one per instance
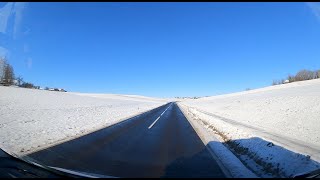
{"x":159,"y":49}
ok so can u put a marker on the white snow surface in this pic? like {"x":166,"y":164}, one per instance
{"x":287,"y":115}
{"x":31,"y":119}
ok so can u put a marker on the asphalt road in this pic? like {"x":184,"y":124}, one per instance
{"x":161,"y":143}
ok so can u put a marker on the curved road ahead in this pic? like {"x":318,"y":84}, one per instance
{"x":160,"y":143}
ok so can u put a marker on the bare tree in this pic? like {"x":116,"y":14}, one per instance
{"x":2,"y":65}
{"x":276,"y":82}
{"x":20,"y":80}
{"x":27,"y":85}
{"x":8,"y":76}
{"x":317,"y":73}
{"x":291,"y":78}
{"x":305,"y":75}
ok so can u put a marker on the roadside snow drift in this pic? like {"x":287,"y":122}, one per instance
{"x":275,"y":130}
{"x":34,"y":119}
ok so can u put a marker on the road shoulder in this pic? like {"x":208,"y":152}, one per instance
{"x":228,"y":162}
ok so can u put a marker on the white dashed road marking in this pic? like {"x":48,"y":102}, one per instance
{"x":159,"y":117}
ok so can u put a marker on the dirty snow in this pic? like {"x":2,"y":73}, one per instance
{"x":277,"y":127}
{"x":34,"y":119}
{"x":229,"y":163}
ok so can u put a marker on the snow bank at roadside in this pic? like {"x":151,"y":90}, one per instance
{"x":228,"y":162}
{"x":34,"y":119}
{"x":262,"y":156}
{"x":274,"y":129}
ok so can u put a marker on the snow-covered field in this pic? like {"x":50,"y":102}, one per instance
{"x":34,"y":119}
{"x":275,"y":130}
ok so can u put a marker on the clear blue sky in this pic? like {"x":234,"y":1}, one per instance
{"x":159,"y":49}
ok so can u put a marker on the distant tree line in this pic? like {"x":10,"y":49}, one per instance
{"x":195,"y":97}
{"x":7,"y":77}
{"x":302,"y":75}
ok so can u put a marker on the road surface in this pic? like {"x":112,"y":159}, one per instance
{"x":161,"y":143}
